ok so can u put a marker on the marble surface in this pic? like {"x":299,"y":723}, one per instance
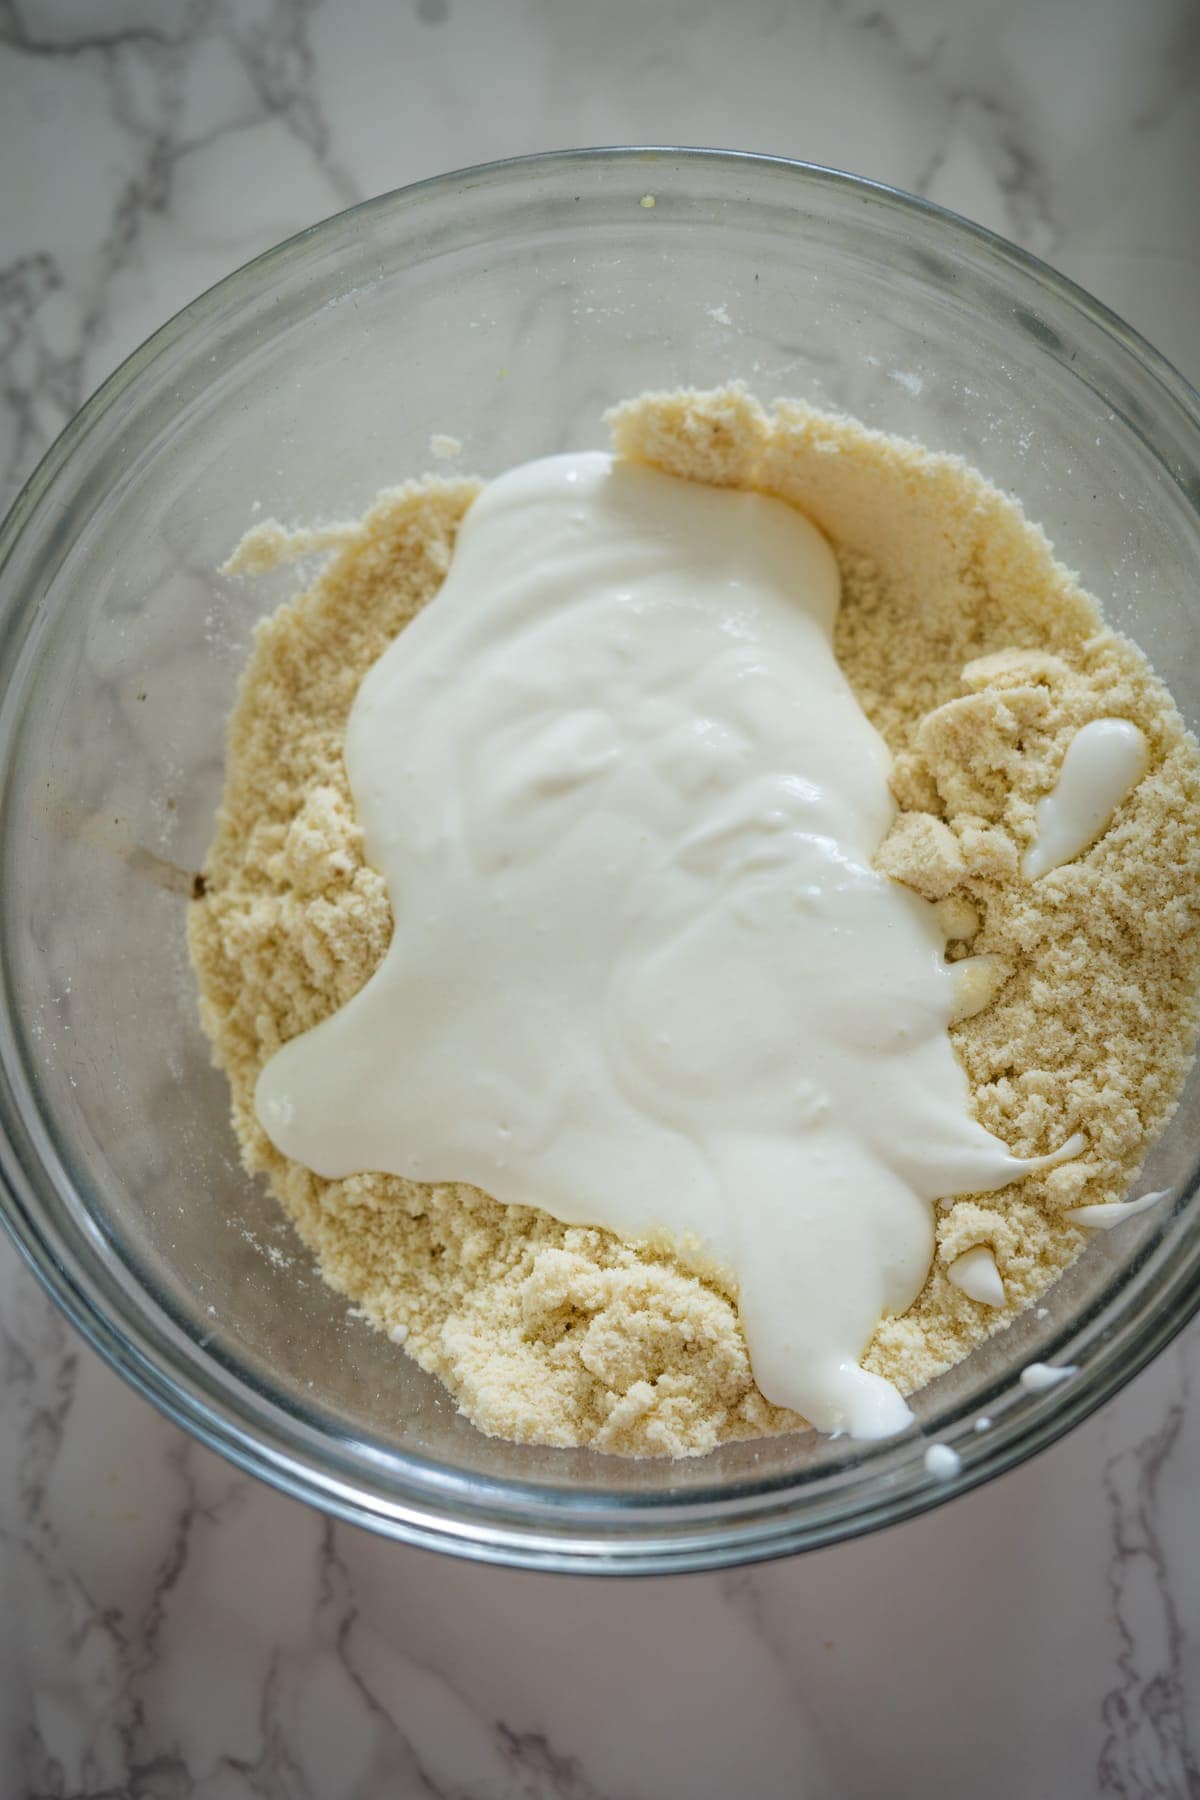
{"x":169,"y":1628}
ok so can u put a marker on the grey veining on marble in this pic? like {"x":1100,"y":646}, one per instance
{"x":169,"y":1628}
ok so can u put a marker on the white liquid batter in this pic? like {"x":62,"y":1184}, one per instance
{"x":1104,"y":762}
{"x":1106,"y":1213}
{"x":643,"y":974}
{"x":976,"y":1274}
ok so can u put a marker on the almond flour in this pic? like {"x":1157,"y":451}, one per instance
{"x":978,"y":657}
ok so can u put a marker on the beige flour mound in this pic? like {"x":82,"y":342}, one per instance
{"x":978,"y":657}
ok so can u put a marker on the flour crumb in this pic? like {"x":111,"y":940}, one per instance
{"x":265,"y":547}
{"x":923,"y":853}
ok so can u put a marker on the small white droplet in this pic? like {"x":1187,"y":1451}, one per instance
{"x":975,"y":1274}
{"x":1104,"y":762}
{"x":1040,"y":1376}
{"x":942,"y":1462}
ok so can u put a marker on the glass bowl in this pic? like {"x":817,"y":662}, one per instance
{"x":506,"y":306}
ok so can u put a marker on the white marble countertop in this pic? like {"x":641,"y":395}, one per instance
{"x":171,"y":1629}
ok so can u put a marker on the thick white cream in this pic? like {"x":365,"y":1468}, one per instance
{"x":1104,"y":762}
{"x":1104,"y":1214}
{"x":643,"y":974}
{"x":976,"y":1275}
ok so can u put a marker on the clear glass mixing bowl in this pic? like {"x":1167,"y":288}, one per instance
{"x":506,"y":306}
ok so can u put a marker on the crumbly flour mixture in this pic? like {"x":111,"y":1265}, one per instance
{"x":978,"y":657}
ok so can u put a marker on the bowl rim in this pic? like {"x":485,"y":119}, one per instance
{"x":137,"y":1355}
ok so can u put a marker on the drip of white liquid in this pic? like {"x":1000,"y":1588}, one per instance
{"x":1104,"y":762}
{"x":976,"y":1275}
{"x":1075,"y":1145}
{"x":1037,"y":1377}
{"x":643,"y":973}
{"x":1107,"y":1213}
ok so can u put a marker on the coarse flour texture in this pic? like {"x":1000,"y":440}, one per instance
{"x":978,"y":657}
